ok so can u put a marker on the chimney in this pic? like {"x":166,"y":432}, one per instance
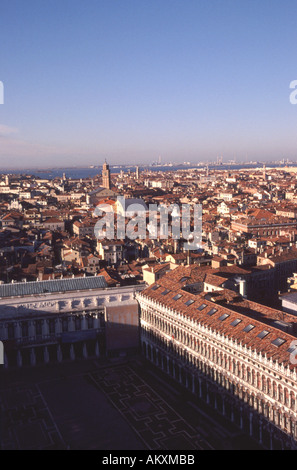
{"x":188,"y":258}
{"x":175,"y":246}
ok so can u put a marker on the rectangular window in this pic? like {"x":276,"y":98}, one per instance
{"x":189,"y":302}
{"x":202,"y":307}
{"x":278,"y":342}
{"x":165,"y":292}
{"x":212,"y":312}
{"x":177,"y":296}
{"x":155,"y":287}
{"x":248,"y":328}
{"x":236,"y":322}
{"x":224,"y":316}
{"x":263,"y":334}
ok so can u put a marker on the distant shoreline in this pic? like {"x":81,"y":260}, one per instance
{"x":87,"y":172}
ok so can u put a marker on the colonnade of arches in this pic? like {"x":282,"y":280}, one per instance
{"x":264,"y":420}
{"x":247,"y":373}
{"x":53,"y":353}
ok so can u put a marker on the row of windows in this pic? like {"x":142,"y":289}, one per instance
{"x":167,"y":328}
{"x":275,"y":416}
{"x":240,"y":370}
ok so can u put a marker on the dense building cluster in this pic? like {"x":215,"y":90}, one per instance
{"x":220,"y":319}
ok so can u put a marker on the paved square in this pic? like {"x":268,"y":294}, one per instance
{"x":94,"y":404}
{"x":26,"y":422}
{"x":156,"y":423}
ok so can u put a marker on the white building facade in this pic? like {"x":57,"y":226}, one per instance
{"x":253,"y":391}
{"x":58,"y":325}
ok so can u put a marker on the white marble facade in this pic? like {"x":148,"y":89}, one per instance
{"x":48,"y":320}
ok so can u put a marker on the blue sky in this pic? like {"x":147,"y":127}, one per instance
{"x":129,"y":80}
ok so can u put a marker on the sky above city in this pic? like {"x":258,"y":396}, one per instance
{"x":132,"y":80}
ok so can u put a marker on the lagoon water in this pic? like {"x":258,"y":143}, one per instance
{"x":76,"y":172}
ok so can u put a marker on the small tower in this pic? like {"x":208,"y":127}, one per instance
{"x":264,"y":172}
{"x":137,"y":173}
{"x":106,"y":176}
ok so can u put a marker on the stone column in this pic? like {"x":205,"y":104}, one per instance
{"x":251,"y":424}
{"x":85,"y":352}
{"x":3,"y":332}
{"x":179,"y":374}
{"x":187,"y":380}
{"x":17,"y":330}
{"x":59,"y":354}
{"x":260,"y":431}
{"x":45,"y":331}
{"x":232,"y":413}
{"x":282,"y":443}
{"x":19,"y":359}
{"x":207,"y":393}
{"x":5,"y":361}
{"x":32,"y":357}
{"x":84,"y":323}
{"x":71,"y":326}
{"x":58,"y":326}
{"x":241,"y":418}
{"x":271,"y":438}
{"x":96,"y":321}
{"x":97,"y":352}
{"x":72,"y":353}
{"x":200,"y":388}
{"x":46,"y":355}
{"x":157,"y":357}
{"x":31,"y":329}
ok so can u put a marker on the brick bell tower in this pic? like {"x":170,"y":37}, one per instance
{"x":106,"y":176}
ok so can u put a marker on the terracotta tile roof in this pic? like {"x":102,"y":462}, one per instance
{"x":185,"y":275}
{"x":214,"y":280}
{"x":167,"y":295}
